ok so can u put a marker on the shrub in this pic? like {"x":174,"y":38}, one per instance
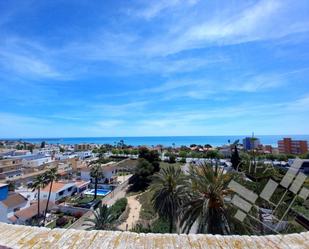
{"x":62,"y":221}
{"x":78,"y":215}
{"x":172,"y":158}
{"x":160,"y":226}
{"x":118,"y":208}
{"x":139,"y":228}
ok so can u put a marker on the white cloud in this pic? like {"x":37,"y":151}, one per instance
{"x":154,"y":8}
{"x":265,"y":20}
{"x":26,"y":58}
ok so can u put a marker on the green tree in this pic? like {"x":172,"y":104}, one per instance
{"x":183,"y":154}
{"x":96,"y":173}
{"x":31,"y":147}
{"x":169,"y":193}
{"x":50,"y":177}
{"x":39,"y":182}
{"x":43,"y":144}
{"x":206,"y":189}
{"x":102,"y":219}
{"x":151,"y":156}
{"x":235,"y":158}
{"x":141,"y":178}
{"x":172,"y":158}
{"x":213,"y":154}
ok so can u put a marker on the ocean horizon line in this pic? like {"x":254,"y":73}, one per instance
{"x":160,"y":140}
{"x":232,"y":135}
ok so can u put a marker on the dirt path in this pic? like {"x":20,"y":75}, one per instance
{"x":135,"y":208}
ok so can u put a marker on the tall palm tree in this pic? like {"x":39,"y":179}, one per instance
{"x":96,"y":173}
{"x":50,"y":176}
{"x":39,"y":182}
{"x":206,"y":206}
{"x":102,"y":219}
{"x":169,"y":193}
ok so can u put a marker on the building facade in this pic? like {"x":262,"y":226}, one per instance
{"x":10,"y":168}
{"x":289,"y":146}
{"x":251,"y":143}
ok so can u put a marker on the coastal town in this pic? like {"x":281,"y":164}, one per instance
{"x":63,"y":186}
{"x":158,"y":124}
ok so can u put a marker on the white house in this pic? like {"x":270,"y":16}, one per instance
{"x":108,"y":169}
{"x":13,"y":203}
{"x":36,"y":162}
{"x":84,"y":154}
{"x":24,"y":216}
{"x":59,"y":191}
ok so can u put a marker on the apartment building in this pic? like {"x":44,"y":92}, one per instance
{"x":289,"y":146}
{"x":251,"y":143}
{"x":10,"y":168}
{"x":82,"y":147}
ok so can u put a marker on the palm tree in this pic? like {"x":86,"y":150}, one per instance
{"x":39,"y":182}
{"x":206,"y":206}
{"x":50,"y":177}
{"x":96,"y":173}
{"x":102,"y":219}
{"x":169,"y":193}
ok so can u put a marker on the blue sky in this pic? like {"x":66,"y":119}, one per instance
{"x":136,"y":68}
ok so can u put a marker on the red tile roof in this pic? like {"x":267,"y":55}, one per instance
{"x":32,"y":211}
{"x":13,"y":200}
{"x":57,"y":186}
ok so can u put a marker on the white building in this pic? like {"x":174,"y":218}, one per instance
{"x":62,"y":189}
{"x":13,"y":203}
{"x":37,"y":162}
{"x":108,"y":169}
{"x":84,"y":154}
{"x":59,"y":191}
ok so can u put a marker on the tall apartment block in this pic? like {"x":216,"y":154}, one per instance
{"x":289,"y":146}
{"x":251,"y":143}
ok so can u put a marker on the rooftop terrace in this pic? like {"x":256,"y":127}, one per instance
{"x":15,"y":236}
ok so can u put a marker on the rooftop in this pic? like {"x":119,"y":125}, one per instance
{"x":16,"y":236}
{"x":57,"y":186}
{"x":32,"y":211}
{"x":13,"y":200}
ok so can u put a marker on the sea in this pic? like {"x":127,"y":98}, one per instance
{"x":162,"y":140}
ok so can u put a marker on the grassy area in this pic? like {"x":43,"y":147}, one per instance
{"x":122,"y":173}
{"x":52,"y":224}
{"x":165,"y":164}
{"x":302,"y":210}
{"x":147,"y":211}
{"x":86,"y":199}
{"x":128,"y":164}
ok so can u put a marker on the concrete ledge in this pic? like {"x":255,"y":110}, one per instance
{"x":16,"y":236}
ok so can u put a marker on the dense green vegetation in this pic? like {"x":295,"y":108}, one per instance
{"x":104,"y":217}
{"x":168,"y":194}
{"x":148,"y":164}
{"x":118,"y":208}
{"x":201,"y":198}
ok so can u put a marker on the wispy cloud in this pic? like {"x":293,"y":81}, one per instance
{"x":154,"y":8}
{"x":161,"y":67}
{"x":26,"y":58}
